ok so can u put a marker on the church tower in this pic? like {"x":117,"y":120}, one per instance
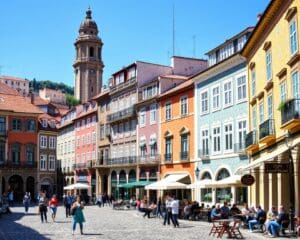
{"x":88,"y":66}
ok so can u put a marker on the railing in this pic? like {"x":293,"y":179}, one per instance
{"x":122,"y":160}
{"x":266,"y":128}
{"x":10,"y":164}
{"x":168,"y":157}
{"x":250,"y":139}
{"x":203,"y":153}
{"x":80,"y":165}
{"x":149,"y":159}
{"x":123,"y":85}
{"x":128,"y":112}
{"x":290,"y":111}
{"x":239,"y":147}
{"x":184,"y":155}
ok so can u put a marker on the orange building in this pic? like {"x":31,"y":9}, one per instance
{"x":177,"y":139}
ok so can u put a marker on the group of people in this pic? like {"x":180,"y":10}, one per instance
{"x":103,"y":199}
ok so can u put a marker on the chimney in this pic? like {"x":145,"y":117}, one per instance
{"x":258,"y":17}
{"x":31,"y":93}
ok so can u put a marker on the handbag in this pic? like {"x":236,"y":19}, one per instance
{"x":73,"y":211}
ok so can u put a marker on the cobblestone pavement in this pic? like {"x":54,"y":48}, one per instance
{"x":101,"y":223}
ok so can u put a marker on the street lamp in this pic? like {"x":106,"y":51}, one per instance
{"x":289,"y":144}
{"x":197,"y":171}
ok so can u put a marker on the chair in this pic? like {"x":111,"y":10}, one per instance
{"x":261,"y":224}
{"x":284,"y":226}
{"x":235,"y":230}
{"x":216,"y":228}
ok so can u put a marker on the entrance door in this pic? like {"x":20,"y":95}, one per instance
{"x":16,"y":185}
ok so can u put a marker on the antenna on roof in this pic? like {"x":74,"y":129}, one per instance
{"x":173,"y":29}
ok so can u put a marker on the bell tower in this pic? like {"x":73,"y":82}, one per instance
{"x":88,"y":66}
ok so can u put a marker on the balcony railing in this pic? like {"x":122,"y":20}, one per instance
{"x":118,"y":87}
{"x":290,"y":111}
{"x":184,"y":155}
{"x":80,"y":165}
{"x":239,"y":147}
{"x":203,"y":153}
{"x":123,"y":114}
{"x":122,"y":161}
{"x":250,"y":139}
{"x":266,"y":128}
{"x":10,"y":164}
{"x":149,"y":159}
{"x":168,"y":157}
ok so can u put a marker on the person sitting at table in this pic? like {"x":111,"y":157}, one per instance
{"x":216,"y":213}
{"x":144,"y":208}
{"x":235,"y":212}
{"x":225,"y":211}
{"x":247,"y":213}
{"x":271,"y":216}
{"x":260,"y":214}
{"x":274,"y":226}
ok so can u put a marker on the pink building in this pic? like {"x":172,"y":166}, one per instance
{"x":86,"y":145}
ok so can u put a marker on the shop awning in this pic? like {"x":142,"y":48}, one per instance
{"x":234,"y":180}
{"x":201,"y":184}
{"x":169,"y":182}
{"x":135,"y":184}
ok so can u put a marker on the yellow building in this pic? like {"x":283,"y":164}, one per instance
{"x":273,"y":139}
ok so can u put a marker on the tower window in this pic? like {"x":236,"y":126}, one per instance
{"x":92,"y":89}
{"x":91,"y":52}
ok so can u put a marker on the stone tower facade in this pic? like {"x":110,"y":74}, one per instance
{"x":88,"y":66}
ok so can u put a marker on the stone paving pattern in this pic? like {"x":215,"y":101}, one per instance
{"x":102,"y":223}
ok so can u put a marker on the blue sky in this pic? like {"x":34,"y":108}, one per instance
{"x":37,"y":36}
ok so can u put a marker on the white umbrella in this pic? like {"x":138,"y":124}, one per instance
{"x":77,"y":186}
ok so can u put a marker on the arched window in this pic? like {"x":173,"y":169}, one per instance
{"x":206,"y":175}
{"x":152,"y":174}
{"x":143,"y":175}
{"x":223,"y":173}
{"x":91,"y":52}
{"x":132,"y":176}
{"x":122,"y":177}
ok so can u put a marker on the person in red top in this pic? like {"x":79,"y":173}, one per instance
{"x":53,"y":203}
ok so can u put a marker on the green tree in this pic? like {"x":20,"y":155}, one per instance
{"x":71,"y":100}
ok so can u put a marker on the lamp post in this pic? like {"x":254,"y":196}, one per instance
{"x":197,"y":171}
{"x":289,"y":144}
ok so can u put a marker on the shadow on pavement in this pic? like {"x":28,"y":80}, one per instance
{"x":92,"y":234}
{"x":10,"y":229}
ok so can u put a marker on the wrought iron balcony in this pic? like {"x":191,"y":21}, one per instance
{"x":130,"y":82}
{"x":203,"y":153}
{"x":251,"y":141}
{"x":266,"y":131}
{"x":149,"y":159}
{"x":120,"y":115}
{"x":10,"y":164}
{"x":290,"y":115}
{"x":184,"y":155}
{"x":122,"y":160}
{"x":168,"y":157}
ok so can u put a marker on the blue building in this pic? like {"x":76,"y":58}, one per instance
{"x":221,"y":123}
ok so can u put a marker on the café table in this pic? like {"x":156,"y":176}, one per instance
{"x":222,"y":226}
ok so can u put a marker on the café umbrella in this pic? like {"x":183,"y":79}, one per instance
{"x":76,"y":186}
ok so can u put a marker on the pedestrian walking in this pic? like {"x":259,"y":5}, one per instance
{"x":78,"y":216}
{"x":43,"y":207}
{"x":175,"y":211}
{"x":68,"y":200}
{"x":26,"y":201}
{"x":53,"y":204}
{"x":168,"y":213}
{"x":11,"y":198}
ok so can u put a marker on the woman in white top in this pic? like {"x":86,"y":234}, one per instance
{"x":175,"y":211}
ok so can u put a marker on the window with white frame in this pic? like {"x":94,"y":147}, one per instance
{"x":78,"y":126}
{"x":261,"y":112}
{"x":83,"y":157}
{"x":78,"y":141}
{"x":168,"y":113}
{"x":44,"y":122}
{"x":269,"y":65}
{"x":228,"y":132}
{"x":270,"y":106}
{"x":295,"y":84}
{"x":133,"y":127}
{"x":283,"y":91}
{"x":131,"y":73}
{"x":168,"y":149}
{"x":204,"y":142}
{"x":227,"y":93}
{"x":94,"y":120}
{"x":121,"y":129}
{"x":216,"y":98}
{"x":83,"y":140}
{"x":52,"y":142}
{"x":88,"y":121}
{"x":241,"y":88}
{"x":216,"y":135}
{"x":43,"y":162}
{"x":51,"y":162}
{"x":82,"y":123}
{"x":88,"y":138}
{"x":293,"y":37}
{"x":142,"y":117}
{"x":93,"y":155}
{"x":94,"y":137}
{"x":184,"y":105}
{"x":152,"y":113}
{"x":254,"y":121}
{"x":241,"y":42}
{"x":212,"y":59}
{"x":241,"y":130}
{"x":119,"y":78}
{"x":102,"y":132}
{"x":253,"y":82}
{"x":43,"y":141}
{"x":204,"y":102}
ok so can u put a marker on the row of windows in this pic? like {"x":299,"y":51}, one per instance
{"x":90,"y":138}
{"x":89,"y":122}
{"x":45,"y":140}
{"x":45,"y":123}
{"x":213,"y":138}
{"x":123,"y":103}
{"x":47,"y":163}
{"x":86,"y":156}
{"x":66,"y":147}
{"x":228,"y":96}
{"x":153,"y":115}
{"x":184,"y":147}
{"x":124,"y":129}
{"x":183,"y":108}
{"x":18,"y":124}
{"x":16,"y":152}
{"x":123,"y":150}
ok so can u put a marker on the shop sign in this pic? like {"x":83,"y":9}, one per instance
{"x":274,"y":167}
{"x":247,"y":180}
{"x":82,"y":178}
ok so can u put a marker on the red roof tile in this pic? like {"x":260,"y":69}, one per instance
{"x":5,"y":89}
